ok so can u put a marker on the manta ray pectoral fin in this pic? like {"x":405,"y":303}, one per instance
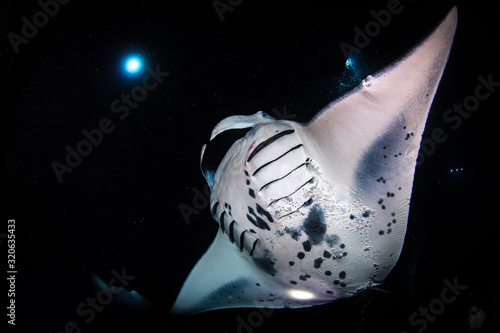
{"x":368,"y":140}
{"x":399,"y":94}
{"x":362,"y":149}
{"x":225,"y":278}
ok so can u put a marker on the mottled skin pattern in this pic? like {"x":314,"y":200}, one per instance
{"x":313,"y":212}
{"x":291,"y":225}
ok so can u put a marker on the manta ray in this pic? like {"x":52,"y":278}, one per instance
{"x":312,"y":212}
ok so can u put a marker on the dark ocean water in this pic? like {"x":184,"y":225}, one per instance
{"x":118,"y":210}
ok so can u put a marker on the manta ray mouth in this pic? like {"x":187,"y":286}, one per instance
{"x":216,"y":150}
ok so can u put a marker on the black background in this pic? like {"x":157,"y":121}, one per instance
{"x":120,"y":206}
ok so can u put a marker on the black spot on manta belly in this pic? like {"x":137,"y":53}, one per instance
{"x":266,"y":265}
{"x":256,"y":220}
{"x":264,"y":212}
{"x":294,"y":233}
{"x":332,"y":240}
{"x":304,"y":277}
{"x":314,"y":225}
{"x":318,"y":262}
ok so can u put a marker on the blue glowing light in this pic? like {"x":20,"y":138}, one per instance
{"x":133,"y":65}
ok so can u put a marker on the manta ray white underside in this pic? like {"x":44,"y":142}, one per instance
{"x":313,"y":212}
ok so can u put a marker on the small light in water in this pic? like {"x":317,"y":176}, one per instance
{"x":300,"y":294}
{"x":133,"y":65}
